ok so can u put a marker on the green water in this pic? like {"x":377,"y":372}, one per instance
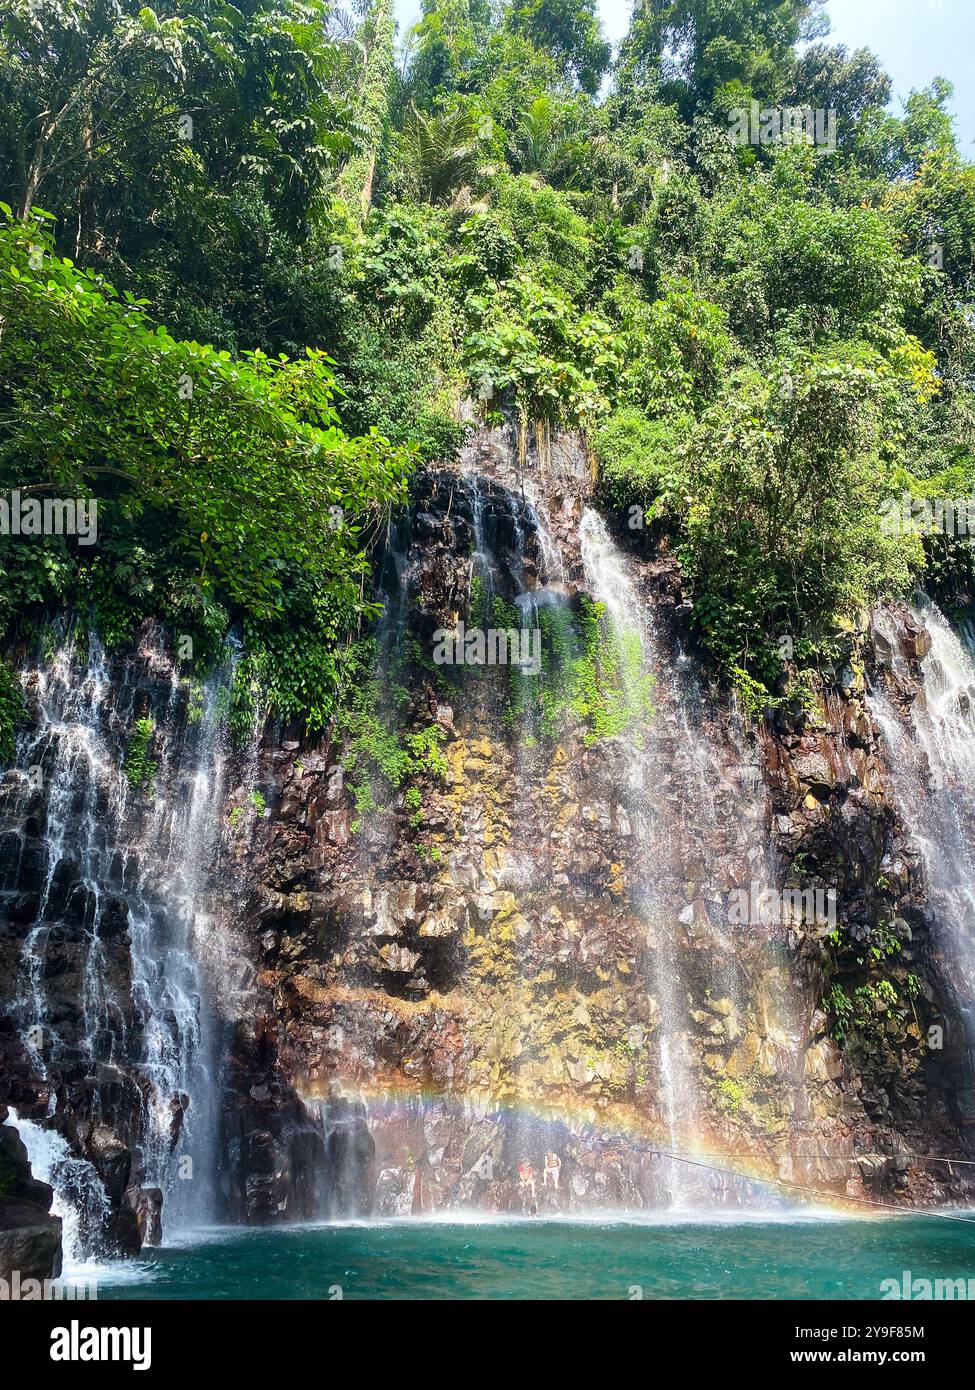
{"x":758,"y":1259}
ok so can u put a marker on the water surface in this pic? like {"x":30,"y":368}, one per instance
{"x":787,"y":1257}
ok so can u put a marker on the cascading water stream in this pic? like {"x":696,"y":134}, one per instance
{"x":679,"y":790}
{"x":122,"y":859}
{"x":932,"y":766}
{"x":610,"y":584}
{"x":553,"y":565}
{"x":80,"y":1199}
{"x":65,"y":756}
{"x":177,"y":960}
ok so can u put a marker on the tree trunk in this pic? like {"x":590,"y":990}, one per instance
{"x":35,"y":171}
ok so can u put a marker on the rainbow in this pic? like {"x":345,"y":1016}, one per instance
{"x":396,"y":1099}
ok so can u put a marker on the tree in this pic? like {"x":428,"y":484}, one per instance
{"x":70,"y":71}
{"x":226,"y":490}
{"x":569,"y":30}
{"x":169,"y":146}
{"x":713,"y":52}
{"x":372,"y":105}
{"x":445,"y":48}
{"x":442,"y":151}
{"x":780,"y":491}
{"x":828,"y":78}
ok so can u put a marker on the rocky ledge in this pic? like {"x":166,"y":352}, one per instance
{"x":30,"y":1237}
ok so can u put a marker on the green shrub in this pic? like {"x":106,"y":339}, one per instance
{"x":140,"y":766}
{"x":12,"y":711}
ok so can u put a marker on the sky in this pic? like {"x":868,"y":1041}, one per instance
{"x":915,"y":40}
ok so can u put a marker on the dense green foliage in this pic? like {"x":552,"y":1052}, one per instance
{"x":226,"y":491}
{"x":762,"y":342}
{"x":11,"y":710}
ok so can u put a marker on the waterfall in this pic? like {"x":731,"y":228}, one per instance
{"x":66,"y":755}
{"x":553,"y":564}
{"x":80,"y":1199}
{"x":115,"y":998}
{"x":565,"y":830}
{"x":931,"y":756}
{"x":698,"y":807}
{"x":610,"y":584}
{"x":566,"y":957}
{"x":177,"y":964}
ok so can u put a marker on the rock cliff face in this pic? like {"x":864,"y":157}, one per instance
{"x":558,"y":970}
{"x":554,"y":941}
{"x":30,"y":1238}
{"x":122,"y":980}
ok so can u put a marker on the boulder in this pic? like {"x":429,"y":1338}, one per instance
{"x":30,"y":1240}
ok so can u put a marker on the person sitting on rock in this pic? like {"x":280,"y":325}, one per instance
{"x":551,"y":1170}
{"x":526,"y":1177}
